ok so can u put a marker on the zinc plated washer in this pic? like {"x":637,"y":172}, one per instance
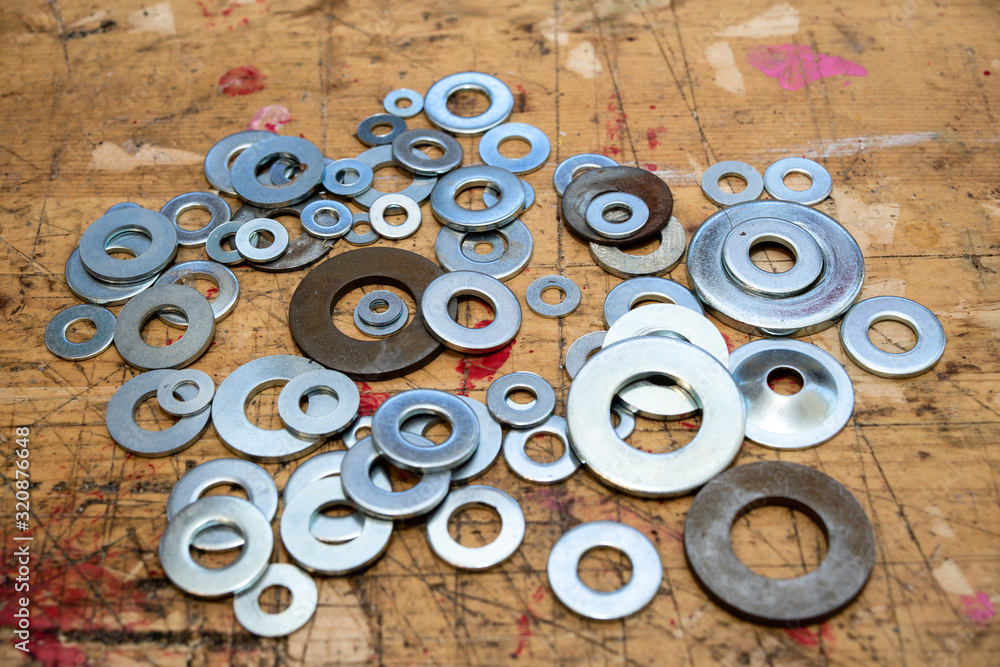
{"x":492,"y":239}
{"x":435,"y":308}
{"x":541,"y":473}
{"x":449,"y":212}
{"x":490,"y":440}
{"x":214,"y":243}
{"x":624,"y":467}
{"x":425,"y":457}
{"x":345,"y":167}
{"x":808,"y":257}
{"x":808,"y":599}
{"x":302,"y":251}
{"x":381,"y":156}
{"x":919,"y":359}
{"x":311,"y":223}
{"x":564,"y":562}
{"x":638,"y":215}
{"x":95,"y":239}
{"x":419,"y":163}
{"x":166,"y":394}
{"x":55,"y":332}
{"x":715,"y":173}
{"x":570,"y":302}
{"x":98,"y":292}
{"x":476,"y":558}
{"x":251,"y":230}
{"x":305,"y":596}
{"x":314,"y":382}
{"x":317,"y":556}
{"x":391,"y":103}
{"x":667,"y":255}
{"x":395,"y":124}
{"x":489,"y":147}
{"x":235,"y":393}
{"x":214,"y":204}
{"x":513,"y":414}
{"x":395,"y":200}
{"x":355,"y":474}
{"x":572,"y":166}
{"x":255,"y":481}
{"x":813,"y":415}
{"x":350,"y":435}
{"x":820,"y":189}
{"x":624,"y":296}
{"x":224,"y":279}
{"x":382,"y":330}
{"x":365,"y":310}
{"x":196,"y":339}
{"x":175,"y":547}
{"x":369,"y":237}
{"x":581,"y":349}
{"x":436,"y":102}
{"x":251,"y":190}
{"x":450,"y":249}
{"x":222,"y":153}
{"x":131,"y":437}
{"x":490,"y":196}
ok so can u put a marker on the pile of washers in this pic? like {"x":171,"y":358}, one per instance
{"x":615,"y":372}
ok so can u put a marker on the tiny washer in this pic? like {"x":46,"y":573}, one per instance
{"x":391,"y":103}
{"x":803,"y":600}
{"x":667,"y":255}
{"x":166,"y":393}
{"x":564,"y":563}
{"x":581,"y":349}
{"x":436,"y":102}
{"x":196,"y":339}
{"x":214,"y":204}
{"x":382,"y":330}
{"x":638,"y":215}
{"x":426,"y":457}
{"x":820,"y":189}
{"x":513,"y":414}
{"x":121,"y":413}
{"x":512,"y":247}
{"x":222,"y":153}
{"x":246,"y":604}
{"x":226,"y":283}
{"x":710,"y":183}
{"x":350,"y":435}
{"x":393,"y":303}
{"x":541,"y":473}
{"x":570,"y":302}
{"x":303,"y":250}
{"x":489,"y":147}
{"x":355,"y":474}
{"x":176,"y":540}
{"x":448,"y":211}
{"x":625,"y":295}
{"x":403,"y":150}
{"x":380,"y":157}
{"x":639,"y":183}
{"x":490,"y":196}
{"x":366,"y":136}
{"x":440,"y":294}
{"x":369,"y":237}
{"x":571,"y":167}
{"x":250,"y":231}
{"x":309,"y":176}
{"x":335,"y":177}
{"x":214,"y":243}
{"x":808,"y":257}
{"x":90,"y":289}
{"x":476,"y":558}
{"x":470,"y":240}
{"x":94,"y":242}
{"x":395,"y":200}
{"x":55,"y":332}
{"x":315,"y":382}
{"x":920,"y":359}
{"x":813,"y":415}
{"x":310,"y":219}
{"x":256,"y":482}
{"x":317,"y":556}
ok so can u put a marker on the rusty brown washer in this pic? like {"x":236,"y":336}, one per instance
{"x":302,"y":251}
{"x":631,"y":180}
{"x":309,"y":316}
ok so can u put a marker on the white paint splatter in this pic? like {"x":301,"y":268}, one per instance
{"x":853,"y":145}
{"x":727,"y":76}
{"x":778,"y":20}
{"x":155,"y":18}
{"x":583,"y":60}
{"x":939,"y":524}
{"x":873,"y":225}
{"x":110,"y":157}
{"x":951,"y":578}
{"x":674,"y":177}
{"x":547,"y":29}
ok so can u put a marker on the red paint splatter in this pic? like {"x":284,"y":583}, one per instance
{"x":805,"y":637}
{"x":539,"y":594}
{"x":611,"y":150}
{"x":979,"y":608}
{"x":795,"y":65}
{"x":689,"y":425}
{"x":555,"y":498}
{"x":986,"y":73}
{"x":228,"y":10}
{"x":270,"y":118}
{"x":205,"y":11}
{"x":652,"y":136}
{"x":242,"y":80}
{"x":650,"y":166}
{"x":615,"y":126}
{"x":211,"y":291}
{"x":524,"y":630}
{"x":652,"y":106}
{"x":370,"y":400}
{"x":482,"y":368}
{"x":730,"y":345}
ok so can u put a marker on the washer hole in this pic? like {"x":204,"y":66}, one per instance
{"x":429,"y":150}
{"x":226,"y":489}
{"x":262,"y":408}
{"x":362,"y":228}
{"x":553,"y":295}
{"x":789,"y":539}
{"x":514,"y":148}
{"x":520,"y":399}
{"x":785,"y":381}
{"x":617,"y":212}
{"x":544,"y":448}
{"x":320,"y":408}
{"x":274,"y":599}
{"x":892,"y":336}
{"x":656,"y":436}
{"x":178,"y":394}
{"x":395,"y":215}
{"x":326,"y":217}
{"x":473,"y":197}
{"x":381,"y":129}
{"x":391,"y":179}
{"x":194,"y":218}
{"x":772,"y":257}
{"x":149,"y":416}
{"x":483,"y":248}
{"x":468,"y":102}
{"x":81,"y":331}
{"x":262,"y":239}
{"x":402,"y":480}
{"x":214,"y":560}
{"x":362,"y":433}
{"x":604,"y":569}
{"x":477,"y":312}
{"x":798,"y":181}
{"x":735,"y":184}
{"x":157,"y":333}
{"x":403,"y":103}
{"x":474,"y":525}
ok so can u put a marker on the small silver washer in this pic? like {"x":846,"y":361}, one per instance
{"x":305,"y":596}
{"x":366,"y":136}
{"x":369,"y":237}
{"x":571,"y":167}
{"x":381,"y":156}
{"x":710,"y":183}
{"x":489,"y":147}
{"x":214,"y":204}
{"x":919,"y":359}
{"x":355,"y":474}
{"x":214,"y":243}
{"x":343,"y":168}
{"x":405,"y":148}
{"x":476,"y":558}
{"x":448,"y":211}
{"x":220,"y":155}
{"x":513,"y":414}
{"x":667,"y":255}
{"x":490,"y":338}
{"x":391,"y":103}
{"x":638,"y":215}
{"x":251,"y":230}
{"x":533,"y":471}
{"x":98,"y":292}
{"x":182,"y":407}
{"x":581,"y":349}
{"x":774,"y":181}
{"x":382,"y":330}
{"x":393,"y":303}
{"x":55,"y":332}
{"x":400,"y":449}
{"x":512,"y":248}
{"x":309,"y":176}
{"x":808,"y":257}
{"x":436,"y":102}
{"x":395,"y":200}
{"x":197,"y":338}
{"x":310,"y":219}
{"x":187,"y":272}
{"x":570,"y":302}
{"x":625,"y":295}
{"x":315,"y":382}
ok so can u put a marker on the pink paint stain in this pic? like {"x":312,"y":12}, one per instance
{"x":652,"y":136}
{"x":795,"y":65}
{"x":242,"y":80}
{"x":979,"y":608}
{"x":270,"y":118}
{"x":370,"y":400}
{"x":805,"y":637}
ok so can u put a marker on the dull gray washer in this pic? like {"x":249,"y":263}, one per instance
{"x":196,"y":339}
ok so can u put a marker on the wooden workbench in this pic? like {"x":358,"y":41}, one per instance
{"x":114,"y":101}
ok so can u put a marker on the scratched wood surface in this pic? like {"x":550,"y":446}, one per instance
{"x":111,"y":101}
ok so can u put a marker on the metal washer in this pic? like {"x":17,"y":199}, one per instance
{"x":309,"y":176}
{"x":98,"y":292}
{"x":345,"y":166}
{"x":225,"y":281}
{"x":625,"y":295}
{"x":196,"y":339}
{"x":310,"y":220}
{"x":505,"y":262}
{"x":436,"y":102}
{"x":314,"y":382}
{"x":382,"y":330}
{"x":358,"y":485}
{"x":366,"y":136}
{"x":570,"y":302}
{"x":489,"y":147}
{"x":214,"y":204}
{"x":445,"y":206}
{"x":127,"y":434}
{"x":425,"y":457}
{"x":165,"y":393}
{"x":365,"y":310}
{"x":391,"y":103}
{"x":581,"y":349}
{"x":55,"y":332}
{"x":369,"y":237}
{"x":305,"y":596}
{"x":715,"y":173}
{"x":214,"y":243}
{"x":94,"y":242}
{"x":820,"y":189}
{"x":251,"y":230}
{"x":572,"y":166}
{"x":638,"y":215}
{"x":488,"y":449}
{"x":667,"y":255}
{"x":380,"y":157}
{"x":476,"y":558}
{"x":395,"y":200}
{"x":533,"y":471}
{"x":404,"y":150}
{"x":736,"y":257}
{"x":442,"y":291}
{"x":302,"y":251}
{"x":220,"y":155}
{"x":919,"y":359}
{"x":513,"y":414}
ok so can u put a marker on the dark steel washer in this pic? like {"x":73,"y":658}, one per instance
{"x":630,"y":180}
{"x":303,"y":250}
{"x":365,"y":135}
{"x":801,"y":601}
{"x":309,"y":316}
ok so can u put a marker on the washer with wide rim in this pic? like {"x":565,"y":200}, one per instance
{"x":104,"y":332}
{"x":170,"y":389}
{"x":667,"y":255}
{"x":639,"y":183}
{"x":714,"y":174}
{"x":919,"y":359}
{"x":346,"y":166}
{"x":355,"y":474}
{"x":449,"y":247}
{"x":569,"y":303}
{"x":98,"y":292}
{"x":476,"y":558}
{"x":403,"y":150}
{"x":365,"y":129}
{"x":308,"y":178}
{"x":214,"y":244}
{"x":426,"y":457}
{"x":444,"y":198}
{"x":623,"y":296}
{"x":394,"y":202}
{"x":489,"y":147}
{"x":214,"y":204}
{"x":525,"y":467}
{"x":315,"y":382}
{"x":305,"y":596}
{"x":445,"y":290}
{"x":380,"y":157}
{"x":228,"y":287}
{"x":219,"y":156}
{"x":516,"y":415}
{"x":575,"y":165}
{"x":391,"y":103}
{"x":133,"y":316}
{"x":311,"y":221}
{"x":95,"y":239}
{"x":819,"y":189}
{"x":251,"y":230}
{"x":741,"y":240}
{"x":436,"y":102}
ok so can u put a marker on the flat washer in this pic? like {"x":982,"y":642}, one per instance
{"x":356,"y":478}
{"x":175,"y":547}
{"x":449,"y":212}
{"x":570,"y":302}
{"x":403,"y":150}
{"x":222,"y":153}
{"x":426,"y":457}
{"x":513,"y":414}
{"x":528,"y":469}
{"x":804,"y":600}
{"x":302,"y":251}
{"x":248,"y":231}
{"x":382,"y":330}
{"x":366,"y":136}
{"x":633,"y":181}
{"x":395,"y":200}
{"x":774,"y":181}
{"x":472,"y":239}
{"x":391,"y":103}
{"x":444,"y":291}
{"x":581,"y":349}
{"x":449,"y":248}
{"x":364,"y":176}
{"x":624,"y":296}
{"x":491,"y":197}
{"x":55,"y":332}
{"x":214,"y":204}
{"x":476,"y":558}
{"x":310,"y":174}
{"x":225,"y":299}
{"x":490,"y":440}
{"x":196,"y":339}
{"x":575,"y":165}
{"x":256,"y":482}
{"x":95,"y":239}
{"x":182,"y":407}
{"x":919,"y":359}
{"x":808,"y":257}
{"x":715,"y":173}
{"x":305,"y":596}
{"x":365,"y":310}
{"x":311,"y":382}
{"x":369,"y":237}
{"x":489,"y":147}
{"x":638,"y":215}
{"x":380,"y":157}
{"x":564,"y":562}
{"x":667,"y":255}
{"x":311,"y":222}
{"x":436,"y":102}
{"x":350,"y":436}
{"x":214,"y":243}
{"x":98,"y":292}
{"x":635,"y":472}
{"x":127,"y":434}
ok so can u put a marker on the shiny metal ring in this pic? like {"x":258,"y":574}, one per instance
{"x":59,"y":345}
{"x":624,"y":265}
{"x":516,"y":415}
{"x":310,"y":219}
{"x":303,"y":250}
{"x":541,"y":473}
{"x":400,"y":449}
{"x":436,"y":102}
{"x":774,"y":181}
{"x":369,"y":237}
{"x":638,"y":215}
{"x":808,"y":264}
{"x":220,"y":155}
{"x":476,"y":558}
{"x":308,"y":178}
{"x":490,"y":338}
{"x":228,"y":287}
{"x":572,"y":166}
{"x":380,"y":157}
{"x":382,"y":330}
{"x":355,"y":474}
{"x":512,"y":247}
{"x":365,"y":129}
{"x":133,"y":316}
{"x":391,"y":103}
{"x":312,"y":383}
{"x":491,"y":197}
{"x":167,"y":393}
{"x":393,"y":303}
{"x":395,"y":200}
{"x":449,"y":212}
{"x":403,"y":150}
{"x":95,"y":239}
{"x":715,"y":173}
{"x":489,"y":147}
{"x":571,"y":296}
{"x":490,"y":440}
{"x":335,"y":177}
{"x":623,"y":297}
{"x":250,"y":231}
{"x":470,"y":240}
{"x":580,"y":350}
{"x":121,"y":413}
{"x":919,"y":359}
{"x":350,"y":436}
{"x":101,"y":293}
{"x":214,"y":243}
{"x":305,"y":596}
{"x":214,"y":204}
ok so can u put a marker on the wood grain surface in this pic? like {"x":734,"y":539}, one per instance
{"x":112,"y":100}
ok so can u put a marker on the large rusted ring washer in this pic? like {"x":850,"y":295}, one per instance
{"x":630,"y":180}
{"x":309,"y":316}
{"x":800,"y":601}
